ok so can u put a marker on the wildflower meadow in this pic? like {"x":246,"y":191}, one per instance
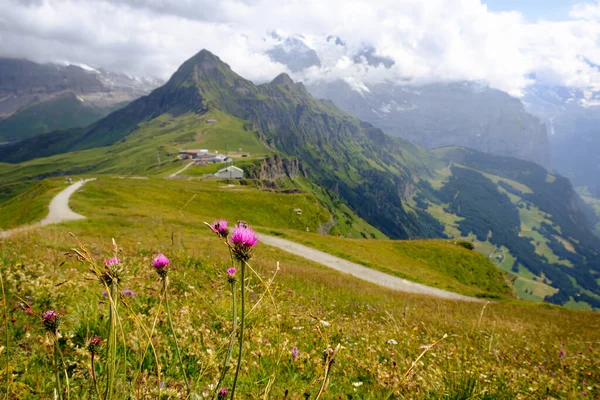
{"x":228,"y":318}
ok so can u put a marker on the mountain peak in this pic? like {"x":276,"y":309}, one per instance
{"x":282,"y":79}
{"x":205,"y":60}
{"x":204,"y":68}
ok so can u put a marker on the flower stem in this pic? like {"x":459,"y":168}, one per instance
{"x":56,"y":367}
{"x":242,"y":325}
{"x":93,"y":373}
{"x":7,"y":338}
{"x":187,"y":384}
{"x":111,"y":344}
{"x":231,"y":340}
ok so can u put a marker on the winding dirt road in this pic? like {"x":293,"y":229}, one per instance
{"x":359,"y":271}
{"x":181,"y":170}
{"x":61,"y":212}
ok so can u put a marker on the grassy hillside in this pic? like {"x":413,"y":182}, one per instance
{"x":437,"y":263}
{"x":190,"y":203}
{"x":28,"y":202}
{"x":60,"y":113}
{"x":162,"y":137}
{"x":509,"y":350}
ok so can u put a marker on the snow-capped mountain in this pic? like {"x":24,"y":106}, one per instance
{"x":24,"y":83}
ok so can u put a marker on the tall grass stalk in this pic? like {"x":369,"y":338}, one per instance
{"x":227,"y":360}
{"x":93,"y":375}
{"x":242,"y":325}
{"x":111,"y":343}
{"x":7,"y":338}
{"x":58,"y":386}
{"x":172,"y":327}
{"x":331,"y":353}
{"x":414,"y":364}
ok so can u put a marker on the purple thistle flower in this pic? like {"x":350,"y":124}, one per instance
{"x":93,"y":344}
{"x":294,"y":353}
{"x":112,"y":261}
{"x":222,"y":393}
{"x":105,"y":294}
{"x":128,"y":292}
{"x":161,"y":264}
{"x":244,"y":239}
{"x":51,"y":320}
{"x":161,"y":261}
{"x":231,"y":278}
{"x":220,"y":228}
{"x":561,"y":354}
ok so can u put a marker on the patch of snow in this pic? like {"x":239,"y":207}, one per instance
{"x":386,"y":108}
{"x":376,"y":112}
{"x":357,"y":86}
{"x":83,"y":66}
{"x":407,"y":107}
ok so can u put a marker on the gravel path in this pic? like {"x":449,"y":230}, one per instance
{"x":59,"y":210}
{"x":181,"y":170}
{"x":359,"y":271}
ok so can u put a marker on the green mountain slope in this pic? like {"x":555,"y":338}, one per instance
{"x":521,"y":209}
{"x":59,"y":113}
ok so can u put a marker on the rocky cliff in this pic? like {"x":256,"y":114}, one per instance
{"x":274,"y":168}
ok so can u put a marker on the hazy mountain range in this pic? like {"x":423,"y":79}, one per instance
{"x":39,"y":98}
{"x":554,"y":126}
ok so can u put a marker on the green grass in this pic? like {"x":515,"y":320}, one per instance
{"x":30,"y":204}
{"x":138,"y":153}
{"x":196,"y":202}
{"x":227,"y":134}
{"x":10,"y":190}
{"x":435,"y":263}
{"x":211,"y":168}
{"x":532,"y":219}
{"x":532,"y":289}
{"x":507,"y":349}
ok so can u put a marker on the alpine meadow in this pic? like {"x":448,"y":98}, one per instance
{"x":216,"y":237}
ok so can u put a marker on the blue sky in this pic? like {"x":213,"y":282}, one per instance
{"x":534,"y":10}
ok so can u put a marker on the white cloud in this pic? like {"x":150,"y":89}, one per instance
{"x":428,"y":39}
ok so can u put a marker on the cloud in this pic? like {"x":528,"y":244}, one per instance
{"x":426,"y":40}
